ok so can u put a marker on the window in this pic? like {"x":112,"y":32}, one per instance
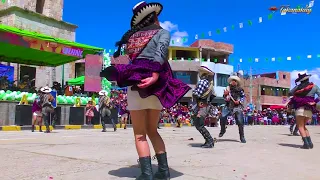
{"x":79,"y":69}
{"x":274,"y":91}
{"x":188,"y":77}
{"x":222,"y":80}
{"x":39,"y":6}
{"x":284,"y":76}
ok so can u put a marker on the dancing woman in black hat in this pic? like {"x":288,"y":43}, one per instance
{"x":304,"y":103}
{"x":150,"y":82}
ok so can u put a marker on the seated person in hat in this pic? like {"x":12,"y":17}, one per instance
{"x":150,"y":82}
{"x":304,"y":103}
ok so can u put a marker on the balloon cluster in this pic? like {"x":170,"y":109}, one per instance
{"x":17,"y":96}
{"x":105,"y":84}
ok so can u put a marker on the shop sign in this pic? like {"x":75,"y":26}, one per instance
{"x":40,"y":45}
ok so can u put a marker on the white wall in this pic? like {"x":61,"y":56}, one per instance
{"x":220,"y":69}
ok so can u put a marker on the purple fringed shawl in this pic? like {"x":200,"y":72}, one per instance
{"x":299,"y":102}
{"x":168,"y":89}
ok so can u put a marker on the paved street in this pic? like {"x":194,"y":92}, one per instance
{"x":91,"y":155}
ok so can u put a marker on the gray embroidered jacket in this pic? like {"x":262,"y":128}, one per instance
{"x":157,"y":48}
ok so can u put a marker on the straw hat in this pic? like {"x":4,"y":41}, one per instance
{"x":46,"y":89}
{"x":205,"y":70}
{"x":235,"y":78}
{"x":103,"y":93}
{"x":143,"y":9}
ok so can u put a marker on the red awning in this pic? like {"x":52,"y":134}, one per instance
{"x":277,"y":107}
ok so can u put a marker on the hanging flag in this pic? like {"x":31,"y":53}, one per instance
{"x":270,"y":16}
{"x":318,"y":55}
{"x":172,"y":42}
{"x":260,"y":19}
{"x":218,"y":31}
{"x":202,"y":59}
{"x":298,"y":57}
{"x":196,"y":37}
{"x":225,"y":29}
{"x":250,"y":23}
{"x":232,"y":27}
{"x":250,"y":59}
{"x":256,"y":59}
{"x":215,"y":60}
{"x":279,"y":59}
{"x":289,"y":58}
{"x":240,"y":25}
{"x":184,"y":39}
{"x":273,"y":59}
{"x":175,"y":58}
{"x":267,"y":59}
{"x":202,"y":35}
{"x":240,"y":60}
{"x":224,"y":60}
{"x":209,"y":33}
{"x":311,"y":3}
{"x":309,"y":56}
{"x":231,"y":59}
{"x":110,"y":50}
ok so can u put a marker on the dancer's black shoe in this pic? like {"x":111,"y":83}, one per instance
{"x":163,"y":172}
{"x":146,"y":169}
{"x":306,"y":144}
{"x":310,"y":142}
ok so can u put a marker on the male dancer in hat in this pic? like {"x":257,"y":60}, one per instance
{"x":104,"y":109}
{"x":45,"y":103}
{"x":203,"y":94}
{"x":234,"y":97}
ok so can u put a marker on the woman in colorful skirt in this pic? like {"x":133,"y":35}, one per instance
{"x":36,"y":113}
{"x":304,"y":103}
{"x":150,"y":82}
{"x":89,"y":111}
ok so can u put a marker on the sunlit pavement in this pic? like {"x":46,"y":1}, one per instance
{"x":92,"y":155}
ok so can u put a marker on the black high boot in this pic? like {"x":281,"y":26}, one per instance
{"x":46,"y":123}
{"x":40,"y":128}
{"x":310,"y":142}
{"x":32,"y":128}
{"x":163,"y":168}
{"x":207,"y":136}
{"x":241,"y":133}
{"x":306,"y":144}
{"x":295,"y":131}
{"x":146,"y":169}
{"x":222,"y":127}
{"x":103,"y":126}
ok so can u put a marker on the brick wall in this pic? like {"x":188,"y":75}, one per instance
{"x":52,"y":8}
{"x":283,"y":82}
{"x":219,"y":46}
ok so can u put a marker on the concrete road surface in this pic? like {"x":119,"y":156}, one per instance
{"x":270,"y":154}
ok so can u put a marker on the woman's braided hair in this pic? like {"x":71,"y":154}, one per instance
{"x":147,"y":21}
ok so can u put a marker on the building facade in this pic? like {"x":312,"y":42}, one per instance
{"x":45,"y":17}
{"x":185,"y":62}
{"x":265,"y":90}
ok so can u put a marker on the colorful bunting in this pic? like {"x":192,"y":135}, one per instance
{"x":251,"y":60}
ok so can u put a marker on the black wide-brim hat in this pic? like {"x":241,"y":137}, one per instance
{"x":302,"y":77}
{"x":143,"y":9}
{"x":205,"y":70}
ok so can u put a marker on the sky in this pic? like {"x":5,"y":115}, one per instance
{"x":102,"y":23}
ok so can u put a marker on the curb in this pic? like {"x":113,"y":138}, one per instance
{"x":77,"y":127}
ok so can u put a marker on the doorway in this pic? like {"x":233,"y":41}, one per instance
{"x":30,"y":71}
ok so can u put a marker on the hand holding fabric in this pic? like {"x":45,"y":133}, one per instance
{"x":149,"y":81}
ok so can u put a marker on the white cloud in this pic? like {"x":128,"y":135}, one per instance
{"x":315,"y":78}
{"x":179,"y":37}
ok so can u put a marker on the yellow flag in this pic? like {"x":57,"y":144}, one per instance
{"x":24,"y":100}
{"x":78,"y":102}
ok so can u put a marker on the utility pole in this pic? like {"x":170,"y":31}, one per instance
{"x":250,"y":86}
